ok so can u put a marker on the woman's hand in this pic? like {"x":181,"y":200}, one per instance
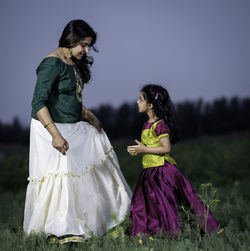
{"x":60,"y":144}
{"x":58,"y":141}
{"x":93,"y":120}
{"x":97,"y":124}
{"x":136,"y":149}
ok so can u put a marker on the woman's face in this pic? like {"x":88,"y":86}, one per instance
{"x":82,"y":48}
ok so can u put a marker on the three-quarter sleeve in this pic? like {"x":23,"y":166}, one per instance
{"x":47,"y":74}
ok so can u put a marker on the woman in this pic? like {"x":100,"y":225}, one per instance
{"x":75,"y":184}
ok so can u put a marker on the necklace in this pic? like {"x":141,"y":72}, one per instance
{"x":79,"y":86}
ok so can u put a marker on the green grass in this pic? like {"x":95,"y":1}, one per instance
{"x":224,"y":163}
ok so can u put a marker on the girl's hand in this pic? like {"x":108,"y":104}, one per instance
{"x":60,"y":144}
{"x":136,"y":149}
{"x":132,"y":153}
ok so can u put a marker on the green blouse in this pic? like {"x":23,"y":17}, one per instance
{"x":59,"y":87}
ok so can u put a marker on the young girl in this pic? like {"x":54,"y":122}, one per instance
{"x":161,"y":187}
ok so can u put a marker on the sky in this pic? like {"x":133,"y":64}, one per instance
{"x":195,"y":48}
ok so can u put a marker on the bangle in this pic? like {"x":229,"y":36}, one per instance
{"x":84,"y":113}
{"x":51,"y":122}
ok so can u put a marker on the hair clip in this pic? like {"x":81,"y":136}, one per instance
{"x":156,"y":96}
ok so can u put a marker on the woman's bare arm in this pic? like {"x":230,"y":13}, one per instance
{"x":90,"y":116}
{"x":57,"y":139}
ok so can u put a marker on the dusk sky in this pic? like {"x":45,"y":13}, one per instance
{"x":195,"y":48}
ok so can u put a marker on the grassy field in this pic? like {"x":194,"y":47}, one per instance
{"x":224,"y":163}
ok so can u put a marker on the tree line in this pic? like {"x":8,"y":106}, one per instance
{"x":195,"y":118}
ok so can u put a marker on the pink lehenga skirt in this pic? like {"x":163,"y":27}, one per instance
{"x":155,"y":205}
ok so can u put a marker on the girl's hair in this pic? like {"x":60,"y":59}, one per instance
{"x":163,"y":108}
{"x":73,"y":33}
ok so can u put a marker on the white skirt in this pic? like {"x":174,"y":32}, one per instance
{"x":79,"y":193}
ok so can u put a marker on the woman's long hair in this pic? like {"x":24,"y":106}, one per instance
{"x":163,"y":108}
{"x":73,"y":33}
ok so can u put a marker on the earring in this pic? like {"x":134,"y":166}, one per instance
{"x":70,"y":53}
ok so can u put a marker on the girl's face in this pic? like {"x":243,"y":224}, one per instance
{"x":82,"y":48}
{"x":142,"y":104}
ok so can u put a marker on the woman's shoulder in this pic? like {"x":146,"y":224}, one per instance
{"x":53,"y":53}
{"x":51,"y":61}
{"x":54,"y":58}
{"x":58,"y":55}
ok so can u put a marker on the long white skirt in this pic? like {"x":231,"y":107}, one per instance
{"x":79,"y":193}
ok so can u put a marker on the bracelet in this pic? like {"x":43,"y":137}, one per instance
{"x":51,"y":122}
{"x":84,"y":113}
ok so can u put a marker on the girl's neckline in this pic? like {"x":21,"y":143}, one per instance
{"x":59,"y":60}
{"x":153,"y":121}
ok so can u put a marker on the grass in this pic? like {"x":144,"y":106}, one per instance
{"x":224,"y":163}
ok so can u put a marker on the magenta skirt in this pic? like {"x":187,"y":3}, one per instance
{"x":155,"y":203}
